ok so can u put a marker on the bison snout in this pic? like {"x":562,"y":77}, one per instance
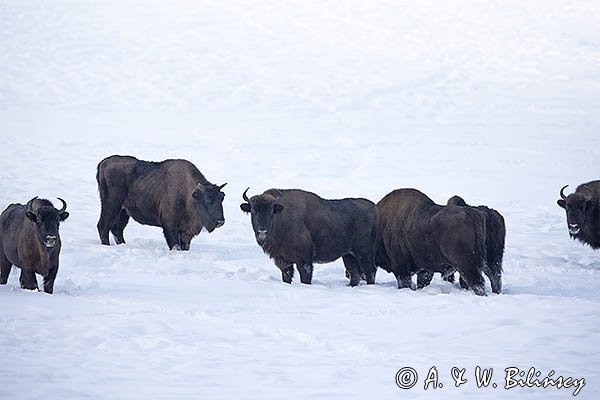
{"x":50,"y":241}
{"x":574,"y":229}
{"x":261,"y":235}
{"x":220,"y":223}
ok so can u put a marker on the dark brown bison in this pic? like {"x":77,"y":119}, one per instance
{"x":583,"y":213}
{"x":415,"y":234}
{"x":299,"y":227}
{"x":29,"y":239}
{"x":171,"y":194}
{"x":495,"y":235}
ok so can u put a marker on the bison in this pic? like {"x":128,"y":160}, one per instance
{"x":29,"y":240}
{"x":495,"y":234}
{"x":583,"y":213}
{"x":171,"y":194}
{"x":299,"y":227}
{"x":415,"y":234}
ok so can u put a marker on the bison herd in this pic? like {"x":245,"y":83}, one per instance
{"x":405,"y":233}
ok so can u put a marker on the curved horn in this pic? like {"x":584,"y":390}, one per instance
{"x":245,"y":196}
{"x":30,"y":204}
{"x":222,"y":186}
{"x":278,"y":193}
{"x":562,"y":194}
{"x":64,"y":205}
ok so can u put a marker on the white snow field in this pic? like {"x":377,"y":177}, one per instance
{"x":498,"y":101}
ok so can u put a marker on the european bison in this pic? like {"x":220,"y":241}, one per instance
{"x":495,"y":234}
{"x":295,"y":226}
{"x":583,"y":213}
{"x":29,"y":240}
{"x":171,"y":194}
{"x":416,"y":234}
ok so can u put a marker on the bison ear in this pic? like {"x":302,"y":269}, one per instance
{"x":561,"y":203}
{"x":63,"y":215}
{"x":31,"y":216}
{"x":245,"y":207}
{"x":278,"y":208}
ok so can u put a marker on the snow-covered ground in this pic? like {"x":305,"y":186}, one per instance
{"x":496,"y":101}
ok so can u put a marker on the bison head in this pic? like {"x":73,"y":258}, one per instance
{"x":262,"y":209}
{"x":208,"y":200}
{"x":46,"y":219}
{"x":576,"y":205}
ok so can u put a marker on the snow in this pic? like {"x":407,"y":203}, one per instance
{"x":495,"y":101}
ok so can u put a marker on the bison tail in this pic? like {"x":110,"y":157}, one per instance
{"x":102,"y":186}
{"x":496,"y":232}
{"x":479,"y":226}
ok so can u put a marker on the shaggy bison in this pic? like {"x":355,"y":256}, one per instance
{"x":29,"y":239}
{"x":583,"y":213}
{"x":416,"y":234}
{"x":295,"y":226}
{"x":171,"y":194}
{"x":495,"y":234}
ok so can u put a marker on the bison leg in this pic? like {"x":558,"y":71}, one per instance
{"x":119,"y":226}
{"x":404,"y":281}
{"x":172,"y":237}
{"x":287,"y":270}
{"x":185,"y":240}
{"x":109,"y":213}
{"x":494,"y":274}
{"x":5,"y":267}
{"x":474,"y":280}
{"x":463,"y":283}
{"x":306,"y":272}
{"x":352,"y":269}
{"x":28,"y":279}
{"x":424,"y":278}
{"x":366,"y":267}
{"x":49,"y":280}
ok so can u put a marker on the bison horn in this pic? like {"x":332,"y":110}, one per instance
{"x":562,"y":194}
{"x":245,"y":196}
{"x":64,"y":205}
{"x":222,"y":186}
{"x":30,"y":204}
{"x":278,"y":193}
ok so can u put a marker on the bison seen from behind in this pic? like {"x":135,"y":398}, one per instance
{"x":171,"y":194}
{"x":415,"y":234}
{"x":495,"y":234}
{"x":29,"y":239}
{"x":299,"y":227}
{"x":583,"y":213}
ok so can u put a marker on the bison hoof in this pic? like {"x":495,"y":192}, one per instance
{"x":479,"y":290}
{"x":405,"y":283}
